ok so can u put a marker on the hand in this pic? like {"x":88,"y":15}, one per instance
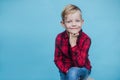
{"x":73,"y":38}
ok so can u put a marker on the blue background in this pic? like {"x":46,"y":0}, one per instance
{"x":28,"y":29}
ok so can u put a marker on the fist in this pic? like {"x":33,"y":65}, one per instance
{"x":73,"y":38}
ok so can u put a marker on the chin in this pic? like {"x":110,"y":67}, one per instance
{"x":74,"y":32}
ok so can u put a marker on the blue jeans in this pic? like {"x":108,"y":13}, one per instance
{"x":75,"y":73}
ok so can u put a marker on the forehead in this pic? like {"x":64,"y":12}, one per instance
{"x":76,"y":14}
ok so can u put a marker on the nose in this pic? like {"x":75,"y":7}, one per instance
{"x":73,"y":24}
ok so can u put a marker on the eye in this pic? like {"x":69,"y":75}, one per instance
{"x":68,"y":21}
{"x":78,"y":20}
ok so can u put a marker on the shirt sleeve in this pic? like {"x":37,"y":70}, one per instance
{"x":59,"y":59}
{"x":80,"y":53}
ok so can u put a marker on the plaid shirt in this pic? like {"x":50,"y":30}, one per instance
{"x":66,"y":56}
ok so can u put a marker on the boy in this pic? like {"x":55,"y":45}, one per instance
{"x":71,"y":46}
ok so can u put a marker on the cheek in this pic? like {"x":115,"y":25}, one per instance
{"x":80,"y":24}
{"x":67,"y":26}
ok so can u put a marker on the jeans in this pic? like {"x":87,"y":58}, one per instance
{"x":75,"y":73}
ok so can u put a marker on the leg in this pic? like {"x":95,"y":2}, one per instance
{"x":62,"y":76}
{"x":76,"y":73}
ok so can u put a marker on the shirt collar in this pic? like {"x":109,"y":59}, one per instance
{"x":66,"y":34}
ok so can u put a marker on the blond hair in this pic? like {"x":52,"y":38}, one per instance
{"x":70,"y":9}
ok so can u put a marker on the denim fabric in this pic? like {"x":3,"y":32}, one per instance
{"x":75,"y":73}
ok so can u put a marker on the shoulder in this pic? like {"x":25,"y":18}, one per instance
{"x":85,"y":36}
{"x":59,"y":36}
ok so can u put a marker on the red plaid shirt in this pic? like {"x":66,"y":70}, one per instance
{"x":67,"y":56}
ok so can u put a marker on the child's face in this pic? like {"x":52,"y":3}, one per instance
{"x":73,"y":22}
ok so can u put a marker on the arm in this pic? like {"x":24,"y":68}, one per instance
{"x":80,"y":53}
{"x":59,"y":58}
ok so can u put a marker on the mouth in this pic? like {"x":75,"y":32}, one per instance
{"x":73,"y":28}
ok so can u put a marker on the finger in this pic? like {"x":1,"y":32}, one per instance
{"x":74,"y":34}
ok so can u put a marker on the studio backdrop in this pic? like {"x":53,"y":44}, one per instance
{"x":27,"y":37}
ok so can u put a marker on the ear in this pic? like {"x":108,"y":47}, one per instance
{"x":62,"y":23}
{"x":82,"y":21}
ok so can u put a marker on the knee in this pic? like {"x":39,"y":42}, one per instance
{"x":72,"y":71}
{"x":72,"y":74}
